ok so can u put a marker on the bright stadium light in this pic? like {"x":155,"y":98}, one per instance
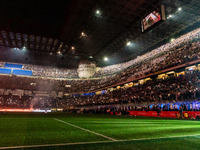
{"x":83,"y":34}
{"x":172,"y":40}
{"x":98,"y":12}
{"x":72,"y":47}
{"x":170,"y":16}
{"x":128,"y":43}
{"x":105,"y":58}
{"x":59,"y":52}
{"x":179,"y":9}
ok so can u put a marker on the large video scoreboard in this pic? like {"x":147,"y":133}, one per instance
{"x":152,"y":18}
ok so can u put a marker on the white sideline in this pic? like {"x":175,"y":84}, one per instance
{"x":86,"y":130}
{"x":96,"y":142}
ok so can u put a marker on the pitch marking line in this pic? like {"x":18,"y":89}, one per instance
{"x":96,"y":142}
{"x":86,"y":130}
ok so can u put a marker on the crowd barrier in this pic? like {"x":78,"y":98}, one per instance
{"x":168,"y":114}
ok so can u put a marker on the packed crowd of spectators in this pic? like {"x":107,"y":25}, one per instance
{"x":46,"y":71}
{"x":8,"y":101}
{"x":182,"y":43}
{"x":182,"y":50}
{"x":45,"y":84}
{"x":179,"y":88}
{"x":27,"y":102}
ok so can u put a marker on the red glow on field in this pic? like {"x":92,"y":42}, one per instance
{"x":15,"y":110}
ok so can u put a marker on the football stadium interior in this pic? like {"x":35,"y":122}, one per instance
{"x":100,"y":74}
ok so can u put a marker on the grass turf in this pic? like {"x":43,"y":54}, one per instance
{"x":18,"y":129}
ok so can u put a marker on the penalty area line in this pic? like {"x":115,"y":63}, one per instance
{"x":95,"y":142}
{"x":85,"y":129}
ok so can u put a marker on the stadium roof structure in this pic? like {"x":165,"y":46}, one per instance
{"x":61,"y":33}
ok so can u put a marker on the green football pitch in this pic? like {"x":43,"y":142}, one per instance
{"x":60,"y":131}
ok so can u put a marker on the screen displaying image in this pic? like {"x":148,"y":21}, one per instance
{"x":151,"y":19}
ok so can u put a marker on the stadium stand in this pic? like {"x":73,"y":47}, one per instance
{"x":183,"y":50}
{"x":179,"y":88}
{"x":45,"y":71}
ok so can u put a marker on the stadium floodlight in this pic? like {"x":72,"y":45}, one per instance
{"x":83,"y":34}
{"x":170,"y":16}
{"x":179,"y":9}
{"x":105,"y":58}
{"x":98,"y":12}
{"x":128,"y":43}
{"x":172,"y":40}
